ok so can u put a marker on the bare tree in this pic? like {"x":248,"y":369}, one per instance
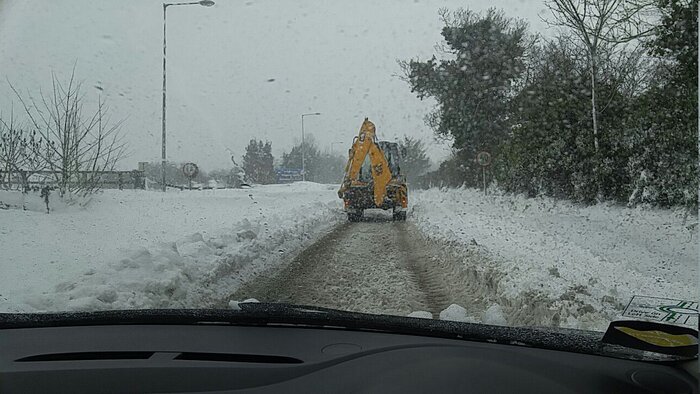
{"x":10,"y":141}
{"x":79,"y":147}
{"x":601,"y":26}
{"x":21,"y":151}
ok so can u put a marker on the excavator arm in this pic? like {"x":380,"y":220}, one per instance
{"x":365,"y":144}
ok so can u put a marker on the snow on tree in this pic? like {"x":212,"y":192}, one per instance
{"x":600,"y":26}
{"x":481,"y":60}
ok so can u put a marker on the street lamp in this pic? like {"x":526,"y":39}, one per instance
{"x":303,"y":148}
{"x":204,"y":3}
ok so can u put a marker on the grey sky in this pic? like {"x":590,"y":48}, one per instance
{"x":238,"y":70}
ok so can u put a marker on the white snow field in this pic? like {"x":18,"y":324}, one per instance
{"x":146,"y":249}
{"x":524,"y":260}
{"x":591,"y":259}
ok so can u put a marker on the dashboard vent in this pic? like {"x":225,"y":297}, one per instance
{"x":188,"y":356}
{"x":238,"y":358}
{"x":84,"y":356}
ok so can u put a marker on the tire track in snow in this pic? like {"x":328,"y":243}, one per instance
{"x":375,"y":266}
{"x":416,"y":257}
{"x":385,"y":267}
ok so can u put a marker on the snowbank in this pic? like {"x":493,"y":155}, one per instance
{"x":493,"y":315}
{"x":586,"y":262}
{"x":142,"y":249}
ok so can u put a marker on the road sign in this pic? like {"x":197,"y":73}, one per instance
{"x":288,"y":175}
{"x":483,"y":158}
{"x":190,"y":170}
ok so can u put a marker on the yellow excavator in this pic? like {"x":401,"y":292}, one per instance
{"x":373,"y":176}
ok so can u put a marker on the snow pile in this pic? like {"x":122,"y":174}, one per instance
{"x":494,"y":315}
{"x":455,"y":312}
{"x":141,"y":249}
{"x":582,"y":263}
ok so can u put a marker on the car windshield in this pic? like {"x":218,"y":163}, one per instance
{"x":510,"y":163}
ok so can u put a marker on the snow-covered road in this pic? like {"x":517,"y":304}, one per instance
{"x":375,"y":266}
{"x":505,"y":259}
{"x":381,"y":266}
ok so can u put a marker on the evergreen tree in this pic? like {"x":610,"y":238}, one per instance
{"x":331,"y":168}
{"x":472,"y":84}
{"x":312,"y":159}
{"x":664,"y":167}
{"x":537,"y":122}
{"x":258,"y":162}
{"x":267,"y":169}
{"x":551,"y":150}
{"x":251,"y":161}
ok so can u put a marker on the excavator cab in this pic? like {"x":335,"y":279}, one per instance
{"x":373,"y":177}
{"x":366,"y":171}
{"x":393,"y":157}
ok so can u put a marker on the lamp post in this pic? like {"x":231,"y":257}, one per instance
{"x":205,"y":3}
{"x":303,"y":148}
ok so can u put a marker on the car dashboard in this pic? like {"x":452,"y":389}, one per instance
{"x":215,"y":357}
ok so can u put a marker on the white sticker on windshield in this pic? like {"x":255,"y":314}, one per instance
{"x":663,"y":310}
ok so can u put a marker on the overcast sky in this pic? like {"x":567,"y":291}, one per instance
{"x":238,"y":70}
